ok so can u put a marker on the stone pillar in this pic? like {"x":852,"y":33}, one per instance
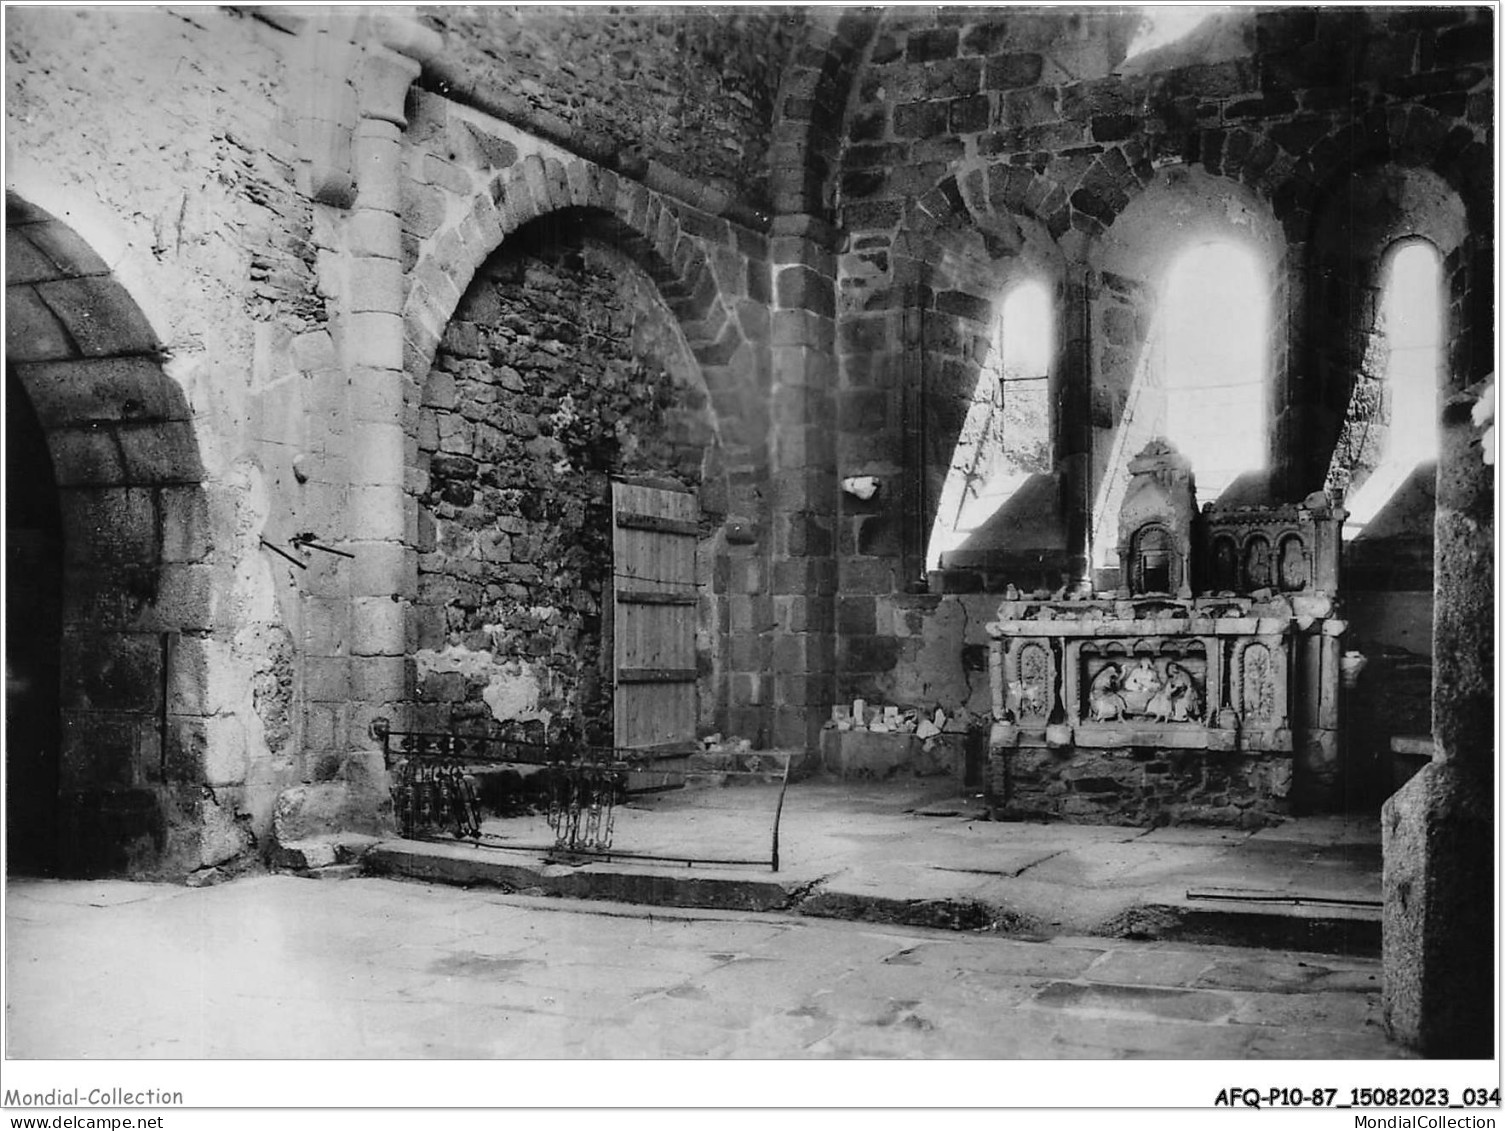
{"x":1071,"y":424}
{"x":361,"y":65}
{"x":382,"y":573}
{"x":803,"y":460}
{"x":1439,"y":882}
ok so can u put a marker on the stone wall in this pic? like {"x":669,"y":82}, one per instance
{"x":560,"y":369}
{"x":982,"y":147}
{"x":1142,"y":787}
{"x":471,"y":183}
{"x":177,"y":248}
{"x":248,"y":231}
{"x":692,"y":88}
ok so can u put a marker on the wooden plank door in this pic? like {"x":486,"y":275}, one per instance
{"x":655,"y":532}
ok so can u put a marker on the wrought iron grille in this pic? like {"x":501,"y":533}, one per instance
{"x":434,"y":789}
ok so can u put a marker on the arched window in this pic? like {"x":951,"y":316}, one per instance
{"x":1397,"y":432}
{"x":1201,"y":381}
{"x":1006,"y":436}
{"x":1216,"y":336}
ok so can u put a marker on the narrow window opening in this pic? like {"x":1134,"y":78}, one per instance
{"x":1162,"y":25}
{"x":1216,"y":338}
{"x":1201,"y":381}
{"x":1005,"y":438}
{"x":1409,"y":347}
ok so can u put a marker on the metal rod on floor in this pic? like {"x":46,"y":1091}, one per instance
{"x":592,"y":854}
{"x":778,"y":810}
{"x":1281,"y":897}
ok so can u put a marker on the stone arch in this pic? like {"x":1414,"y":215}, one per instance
{"x":1412,"y":136}
{"x":961,"y":249}
{"x":134,"y":561}
{"x":649,"y":228}
{"x":1364,"y":209}
{"x":576,"y":205}
{"x":1363,"y":215}
{"x":811,"y":109}
{"x":1180,"y":207}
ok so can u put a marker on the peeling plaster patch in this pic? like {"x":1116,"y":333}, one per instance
{"x":512,"y":694}
{"x":512,"y":687}
{"x":454,"y":658}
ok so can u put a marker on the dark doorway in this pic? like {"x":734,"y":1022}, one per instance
{"x":33,"y":636}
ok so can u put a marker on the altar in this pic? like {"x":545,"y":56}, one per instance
{"x":1204,"y":690}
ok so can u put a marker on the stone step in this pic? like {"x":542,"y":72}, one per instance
{"x":1351,"y":931}
{"x":466,"y":865}
{"x":320,"y":853}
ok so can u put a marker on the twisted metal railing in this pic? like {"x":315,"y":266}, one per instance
{"x":434,"y":790}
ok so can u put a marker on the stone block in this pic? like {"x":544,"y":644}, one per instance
{"x":86,"y":457}
{"x":322,"y":809}
{"x":187,"y":529}
{"x":109,"y":524}
{"x":119,"y":672}
{"x":32,"y":331}
{"x":802,"y":288}
{"x":113,"y":831}
{"x":865,"y":754}
{"x":99,"y":749}
{"x":375,"y":285}
{"x":869,"y":653}
{"x":101,"y":318}
{"x":872,"y":576}
{"x":376,"y":627}
{"x":802,"y":652}
{"x":159,"y":452}
{"x":796,"y":727}
{"x":225,"y":757}
{"x":102,"y":389}
{"x":930,"y":44}
{"x":921,"y":119}
{"x":326,"y":679}
{"x":970,"y":115}
{"x":374,"y":339}
{"x":380,"y":679}
{"x":1439,"y":914}
{"x":369,"y":233}
{"x":381,"y":569}
{"x":1007,"y":72}
{"x":377,"y":460}
{"x":315,"y":852}
{"x":64,"y":252}
{"x":856,"y":616}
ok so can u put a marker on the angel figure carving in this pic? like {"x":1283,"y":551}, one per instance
{"x":1177,"y":701}
{"x":1103,"y":698}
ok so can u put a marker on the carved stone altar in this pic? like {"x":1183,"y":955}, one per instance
{"x":1151,"y":704}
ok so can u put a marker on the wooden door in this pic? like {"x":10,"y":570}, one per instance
{"x":655,"y":532}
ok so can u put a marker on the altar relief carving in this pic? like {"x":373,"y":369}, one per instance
{"x":1199,"y":648}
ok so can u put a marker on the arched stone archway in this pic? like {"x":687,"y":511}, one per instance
{"x":562,"y":369}
{"x":695,"y":283}
{"x":134,"y":562}
{"x":714,"y":280}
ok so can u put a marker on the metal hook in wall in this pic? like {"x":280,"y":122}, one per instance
{"x":280,"y":552}
{"x":312,"y":542}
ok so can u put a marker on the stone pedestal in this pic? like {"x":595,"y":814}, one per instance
{"x":874,"y":755}
{"x":1440,"y":914}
